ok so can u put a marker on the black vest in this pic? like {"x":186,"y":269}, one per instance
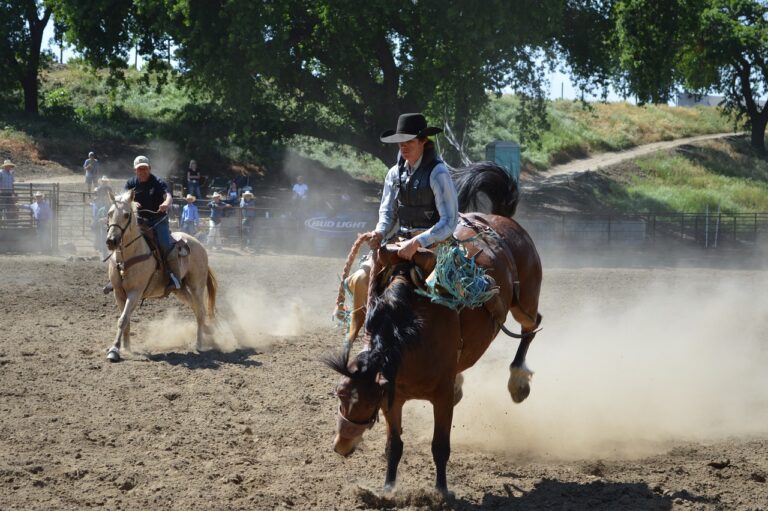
{"x":416,"y":208}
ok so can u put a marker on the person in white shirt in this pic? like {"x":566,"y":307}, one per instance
{"x":300,"y":189}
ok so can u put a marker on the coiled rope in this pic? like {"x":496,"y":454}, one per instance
{"x":341,"y":313}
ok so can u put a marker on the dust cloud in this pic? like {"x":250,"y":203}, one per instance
{"x":267,"y":303}
{"x":622,"y":374}
{"x":246,"y":318}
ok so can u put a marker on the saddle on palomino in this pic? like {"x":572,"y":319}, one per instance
{"x":180,"y":245}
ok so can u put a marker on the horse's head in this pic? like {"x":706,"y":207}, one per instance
{"x":361,"y":392}
{"x":120,"y":219}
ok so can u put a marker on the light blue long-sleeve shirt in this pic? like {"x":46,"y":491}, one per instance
{"x":445,"y":199}
{"x":189,"y":213}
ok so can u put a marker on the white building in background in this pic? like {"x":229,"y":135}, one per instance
{"x":685,"y":99}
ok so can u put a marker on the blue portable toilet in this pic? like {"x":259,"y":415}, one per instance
{"x":505,"y":154}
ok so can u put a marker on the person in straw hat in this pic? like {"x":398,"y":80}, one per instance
{"x":419,"y":205}
{"x":190,"y":217}
{"x":6,"y":188}
{"x":248,"y":209}
{"x":217,"y":207}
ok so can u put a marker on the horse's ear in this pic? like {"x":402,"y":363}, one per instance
{"x":133,"y":194}
{"x":111,"y":196}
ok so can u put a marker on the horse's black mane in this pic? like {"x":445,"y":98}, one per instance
{"x":337,"y":361}
{"x":393,"y":327}
{"x":490,"y":179}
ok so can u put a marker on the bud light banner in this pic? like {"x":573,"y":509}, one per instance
{"x":341,"y":225}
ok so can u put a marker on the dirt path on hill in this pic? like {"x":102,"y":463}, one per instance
{"x":612,"y":158}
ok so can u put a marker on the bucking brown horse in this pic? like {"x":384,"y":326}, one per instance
{"x":416,"y":349}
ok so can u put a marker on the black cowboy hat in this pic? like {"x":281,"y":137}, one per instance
{"x":409,"y":126}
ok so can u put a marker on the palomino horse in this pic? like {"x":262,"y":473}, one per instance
{"x":135,"y":274}
{"x":416,"y":349}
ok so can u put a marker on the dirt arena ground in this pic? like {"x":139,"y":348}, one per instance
{"x":650,"y":393}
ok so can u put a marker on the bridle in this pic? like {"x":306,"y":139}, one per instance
{"x":123,"y":229}
{"x":352,"y":429}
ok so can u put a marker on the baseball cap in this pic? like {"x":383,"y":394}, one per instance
{"x":140,"y":161}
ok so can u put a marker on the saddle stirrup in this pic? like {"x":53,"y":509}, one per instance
{"x":174,"y":280}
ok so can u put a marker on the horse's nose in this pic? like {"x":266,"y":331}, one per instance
{"x":345,"y":446}
{"x":111,"y":243}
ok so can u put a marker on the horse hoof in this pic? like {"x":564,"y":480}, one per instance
{"x":113,"y":355}
{"x":520,"y":393}
{"x":518,"y":384}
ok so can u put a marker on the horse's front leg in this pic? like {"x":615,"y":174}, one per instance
{"x":442,"y":409}
{"x":394,"y":449}
{"x":129,"y":301}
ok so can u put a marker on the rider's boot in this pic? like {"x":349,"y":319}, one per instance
{"x":174,"y":271}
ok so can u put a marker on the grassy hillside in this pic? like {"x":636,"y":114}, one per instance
{"x":81,"y":111}
{"x":720,"y":173}
{"x":577,"y":132}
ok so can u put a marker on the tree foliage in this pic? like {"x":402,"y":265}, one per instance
{"x":21,"y":34}
{"x":701,"y":46}
{"x":343,"y":70}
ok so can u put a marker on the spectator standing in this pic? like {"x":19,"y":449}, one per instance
{"x":248,"y":209}
{"x":232,"y":194}
{"x":6,"y":189}
{"x":99,"y":212}
{"x":190,"y":217}
{"x":42,"y":213}
{"x":300,"y":189}
{"x":214,"y":226}
{"x":193,"y":179}
{"x":102,"y":191}
{"x":91,"y":167}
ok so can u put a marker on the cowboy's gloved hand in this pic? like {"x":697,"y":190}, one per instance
{"x":375,"y":240}
{"x":408,"y":249}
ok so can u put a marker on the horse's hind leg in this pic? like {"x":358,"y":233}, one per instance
{"x":519,"y":383}
{"x":458,"y":393}
{"x":197,"y":296}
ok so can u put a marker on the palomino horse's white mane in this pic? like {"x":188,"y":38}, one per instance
{"x":125,"y":197}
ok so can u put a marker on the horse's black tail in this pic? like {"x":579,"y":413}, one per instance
{"x":486,"y":187}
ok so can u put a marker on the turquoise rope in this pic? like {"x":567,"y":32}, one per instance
{"x":459,"y":282}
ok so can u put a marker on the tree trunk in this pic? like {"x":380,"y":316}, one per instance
{"x":758,"y":133}
{"x":32,"y":66}
{"x":31,"y":89}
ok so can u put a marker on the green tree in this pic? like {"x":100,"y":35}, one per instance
{"x":21,"y":35}
{"x":727,"y":52}
{"x":343,"y":70}
{"x":700,"y":46}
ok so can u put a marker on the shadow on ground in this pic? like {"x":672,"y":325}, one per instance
{"x":549,"y":494}
{"x":208,"y":359}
